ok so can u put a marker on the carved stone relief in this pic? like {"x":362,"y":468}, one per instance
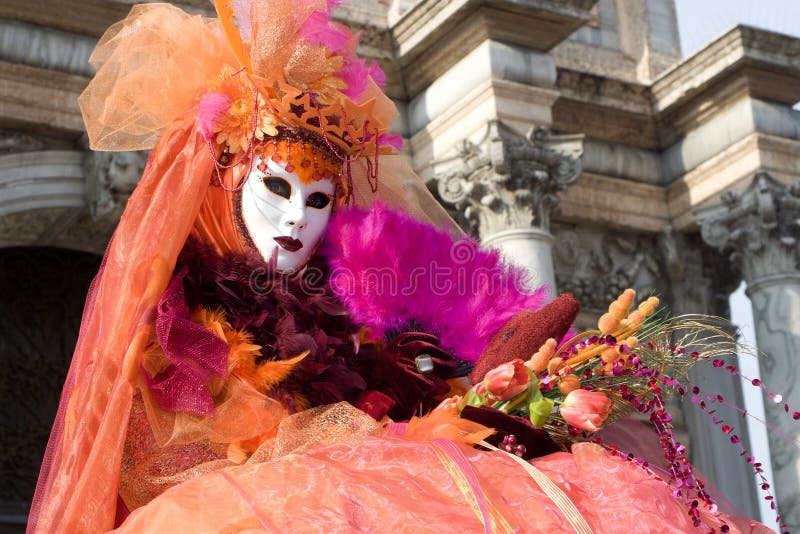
{"x":13,"y":141}
{"x":596,"y":264}
{"x":759,"y":227}
{"x":698,"y":278}
{"x":111,"y":177}
{"x":84,"y":220}
{"x":27,"y":227}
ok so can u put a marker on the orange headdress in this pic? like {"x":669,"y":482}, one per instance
{"x":204,"y":95}
{"x":269,"y":65}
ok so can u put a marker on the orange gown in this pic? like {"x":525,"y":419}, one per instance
{"x":361,"y":478}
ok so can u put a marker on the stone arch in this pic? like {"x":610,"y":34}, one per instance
{"x":64,"y":198}
{"x":44,"y":179}
{"x":43,"y":291}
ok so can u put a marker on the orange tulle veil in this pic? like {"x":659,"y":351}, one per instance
{"x":83,"y":455}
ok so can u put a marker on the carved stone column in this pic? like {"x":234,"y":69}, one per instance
{"x":699,"y":282}
{"x":760,"y":228}
{"x":504,"y":189}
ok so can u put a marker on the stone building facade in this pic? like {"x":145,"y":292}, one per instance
{"x":569,"y":133}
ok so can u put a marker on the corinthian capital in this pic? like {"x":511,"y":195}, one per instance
{"x":759,"y":227}
{"x":507,"y":180}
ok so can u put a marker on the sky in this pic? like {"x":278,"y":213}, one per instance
{"x":699,"y":23}
{"x":702,"y":21}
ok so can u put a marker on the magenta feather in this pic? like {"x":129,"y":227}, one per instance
{"x":318,"y":30}
{"x":353,"y":74}
{"x":393,"y":140}
{"x":376,"y":73}
{"x":390,"y":270}
{"x":212,"y":106}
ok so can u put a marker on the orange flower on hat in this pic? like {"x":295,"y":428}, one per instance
{"x":234,"y":126}
{"x":586,"y":410}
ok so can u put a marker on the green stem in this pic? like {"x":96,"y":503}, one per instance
{"x":506,"y":406}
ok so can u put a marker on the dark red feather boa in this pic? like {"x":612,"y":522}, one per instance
{"x":289,"y":314}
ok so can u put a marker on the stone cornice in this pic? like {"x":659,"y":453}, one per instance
{"x":37,"y":46}
{"x":604,"y":91}
{"x":435,"y":34}
{"x":42,"y":179}
{"x":705,"y":182}
{"x":489,"y":100}
{"x":46,"y":99}
{"x":615,"y":202}
{"x":605,"y":108}
{"x":745,"y":62}
{"x":586,"y":58}
{"x":606,"y":123}
{"x":87,"y":17}
{"x":743,"y":46}
{"x":727,"y":171}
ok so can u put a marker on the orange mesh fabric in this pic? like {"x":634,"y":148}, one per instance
{"x":153,"y":67}
{"x":330,"y":424}
{"x":163,"y":449}
{"x":150,"y":68}
{"x":274,"y":33}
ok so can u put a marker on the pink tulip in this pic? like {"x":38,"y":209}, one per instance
{"x":505,"y":381}
{"x":586,"y":410}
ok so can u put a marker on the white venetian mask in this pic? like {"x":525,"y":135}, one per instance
{"x":284,"y":217}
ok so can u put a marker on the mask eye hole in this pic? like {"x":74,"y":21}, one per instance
{"x":318,"y":201}
{"x":277,"y":185}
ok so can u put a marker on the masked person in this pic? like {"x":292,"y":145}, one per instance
{"x":235,"y":367}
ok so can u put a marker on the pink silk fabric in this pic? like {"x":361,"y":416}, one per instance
{"x":194,"y":352}
{"x":389,"y":484}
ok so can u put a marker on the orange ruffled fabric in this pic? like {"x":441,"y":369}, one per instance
{"x":385,"y":484}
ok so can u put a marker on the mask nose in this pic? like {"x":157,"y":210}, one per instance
{"x":296,"y":218}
